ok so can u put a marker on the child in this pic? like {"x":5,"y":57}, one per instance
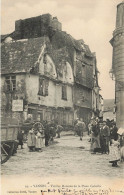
{"x":20,"y":138}
{"x":31,"y":140}
{"x":114,"y":153}
{"x":39,"y":142}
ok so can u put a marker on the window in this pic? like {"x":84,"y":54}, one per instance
{"x":39,"y":116}
{"x":64,"y":92}
{"x":43,"y":87}
{"x":45,"y":59}
{"x":11,"y":83}
{"x":48,"y":115}
{"x":30,"y":111}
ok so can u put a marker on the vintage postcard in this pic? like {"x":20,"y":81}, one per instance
{"x":62,"y":97}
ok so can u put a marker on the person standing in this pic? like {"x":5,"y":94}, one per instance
{"x":89,"y":128}
{"x":31,"y":140}
{"x":95,"y":137}
{"x":52,"y":128}
{"x":114,"y":153}
{"x":106,"y":136}
{"x":81,"y":127}
{"x":121,"y":141}
{"x":20,"y":138}
{"x":27,"y":126}
{"x":102,"y":140}
{"x":41,"y":130}
{"x":108,"y":122}
{"x":113,"y":132}
{"x":46,"y":133}
{"x":59,"y":130}
{"x":39,"y":142}
{"x":76,"y":127}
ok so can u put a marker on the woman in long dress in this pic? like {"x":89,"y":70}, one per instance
{"x":31,"y":140}
{"x":114,"y":153}
{"x":39,"y":141}
{"x":95,"y":138}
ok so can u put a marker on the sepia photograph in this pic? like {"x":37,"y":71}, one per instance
{"x":62,"y":97}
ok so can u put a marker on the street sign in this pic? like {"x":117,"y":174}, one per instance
{"x":17,"y":105}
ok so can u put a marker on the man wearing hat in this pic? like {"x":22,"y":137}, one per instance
{"x":106,"y":135}
{"x":113,"y":131}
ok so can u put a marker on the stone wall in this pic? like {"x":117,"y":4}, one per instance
{"x":9,"y":96}
{"x":82,"y":96}
{"x":36,"y":27}
{"x":54,"y":93}
{"x":118,"y":64}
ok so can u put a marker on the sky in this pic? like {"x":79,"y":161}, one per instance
{"x":90,"y":20}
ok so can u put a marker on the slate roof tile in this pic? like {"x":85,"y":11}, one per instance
{"x":21,"y":55}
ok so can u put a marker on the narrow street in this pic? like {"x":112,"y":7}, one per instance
{"x":67,"y":155}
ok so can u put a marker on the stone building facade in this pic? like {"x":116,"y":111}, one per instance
{"x":117,"y":43}
{"x":47,"y":73}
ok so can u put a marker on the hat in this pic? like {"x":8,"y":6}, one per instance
{"x":120,"y":131}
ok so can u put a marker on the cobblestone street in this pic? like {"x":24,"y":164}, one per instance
{"x":67,"y":155}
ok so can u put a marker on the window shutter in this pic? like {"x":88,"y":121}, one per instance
{"x":40,"y":86}
{"x":64,"y":92}
{"x":46,"y":87}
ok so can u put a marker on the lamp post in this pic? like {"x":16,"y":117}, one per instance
{"x":119,"y":96}
{"x":111,"y":74}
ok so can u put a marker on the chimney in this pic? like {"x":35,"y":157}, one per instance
{"x":32,"y":27}
{"x":56,"y":25}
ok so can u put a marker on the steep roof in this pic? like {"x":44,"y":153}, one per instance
{"x":21,"y":55}
{"x":59,"y":55}
{"x":61,"y":39}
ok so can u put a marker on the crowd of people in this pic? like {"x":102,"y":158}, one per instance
{"x":104,"y":136}
{"x":105,"y":139}
{"x":39,"y":134}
